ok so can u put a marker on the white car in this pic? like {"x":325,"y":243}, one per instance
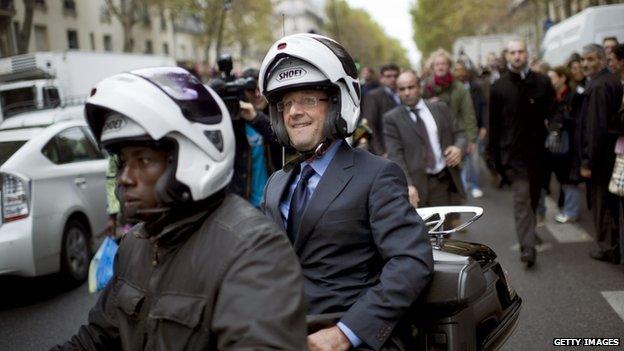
{"x":53,"y":197}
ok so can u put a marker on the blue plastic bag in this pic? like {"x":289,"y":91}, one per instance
{"x":101,"y":267}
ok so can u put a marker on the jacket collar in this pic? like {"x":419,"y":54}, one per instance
{"x":172,"y":227}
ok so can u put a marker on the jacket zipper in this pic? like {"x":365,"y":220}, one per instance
{"x":155,"y":255}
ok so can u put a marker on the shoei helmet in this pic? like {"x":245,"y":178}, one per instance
{"x":167,"y":105}
{"x":311,"y":61}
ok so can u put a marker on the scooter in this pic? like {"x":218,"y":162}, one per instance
{"x":469,"y":304}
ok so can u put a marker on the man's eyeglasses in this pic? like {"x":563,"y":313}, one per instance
{"x":307,"y":102}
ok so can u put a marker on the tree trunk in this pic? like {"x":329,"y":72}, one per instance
{"x":567,"y":8}
{"x":24,"y":32}
{"x":220,"y":33}
{"x":127,"y":26}
{"x":126,"y":15}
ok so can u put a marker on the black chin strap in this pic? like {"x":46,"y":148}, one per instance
{"x":153,"y":210}
{"x":318,"y":152}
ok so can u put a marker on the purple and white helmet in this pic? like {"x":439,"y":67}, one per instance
{"x":167,"y":104}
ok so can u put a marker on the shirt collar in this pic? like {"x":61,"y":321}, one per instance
{"x":320,"y":164}
{"x":420,"y":105}
{"x":523,"y":72}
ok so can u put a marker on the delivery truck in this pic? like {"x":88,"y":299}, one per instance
{"x":477,"y":48}
{"x":46,"y":80}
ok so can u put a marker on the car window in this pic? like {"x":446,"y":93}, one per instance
{"x":51,"y":97}
{"x":18,"y":100}
{"x":8,"y":148}
{"x":71,"y":145}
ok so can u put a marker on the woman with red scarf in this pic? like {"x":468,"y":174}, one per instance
{"x":442,"y":86}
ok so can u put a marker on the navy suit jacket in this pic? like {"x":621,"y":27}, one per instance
{"x":362,"y":247}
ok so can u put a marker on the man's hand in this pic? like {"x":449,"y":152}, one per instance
{"x":414,"y":199}
{"x":330,"y":339}
{"x":247,"y":111}
{"x":452,"y":156}
{"x":482,"y":133}
{"x":585,"y":172}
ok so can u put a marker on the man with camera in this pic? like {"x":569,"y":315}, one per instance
{"x":258,"y":154}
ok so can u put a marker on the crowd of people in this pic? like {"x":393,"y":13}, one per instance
{"x":527,"y":120}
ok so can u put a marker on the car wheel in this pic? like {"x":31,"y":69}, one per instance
{"x":75,"y":252}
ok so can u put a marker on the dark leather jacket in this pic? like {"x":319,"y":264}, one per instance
{"x":222,"y":278}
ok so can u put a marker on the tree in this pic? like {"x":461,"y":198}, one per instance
{"x":365,"y":40}
{"x":127,"y":13}
{"x":243,"y":23}
{"x":249,"y":25}
{"x":438,"y":23}
{"x":23,"y":34}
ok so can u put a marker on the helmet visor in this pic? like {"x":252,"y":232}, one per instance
{"x":196,"y":103}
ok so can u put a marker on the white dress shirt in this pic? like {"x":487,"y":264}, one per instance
{"x":432,"y":131}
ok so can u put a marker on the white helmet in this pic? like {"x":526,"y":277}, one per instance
{"x":167,"y":105}
{"x":313,"y":61}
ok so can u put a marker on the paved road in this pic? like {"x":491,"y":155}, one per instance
{"x":36,"y":314}
{"x":567,"y":294}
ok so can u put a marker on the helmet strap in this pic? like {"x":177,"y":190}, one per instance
{"x":315,"y":153}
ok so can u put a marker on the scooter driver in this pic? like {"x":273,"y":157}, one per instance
{"x":203,"y":270}
{"x":363,"y":249}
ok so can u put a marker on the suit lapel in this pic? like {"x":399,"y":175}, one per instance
{"x":336,"y":177}
{"x":274,"y":196}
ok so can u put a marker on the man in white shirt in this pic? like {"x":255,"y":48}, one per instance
{"x":424,"y":140}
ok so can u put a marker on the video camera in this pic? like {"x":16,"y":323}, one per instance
{"x":229,"y":88}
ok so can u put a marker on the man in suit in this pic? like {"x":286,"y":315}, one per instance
{"x":363,"y":249}
{"x":378,"y":102}
{"x":424,"y":140}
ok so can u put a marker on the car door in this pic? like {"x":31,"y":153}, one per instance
{"x":73,"y":180}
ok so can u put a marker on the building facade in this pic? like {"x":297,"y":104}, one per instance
{"x":89,"y":25}
{"x":299,"y":16}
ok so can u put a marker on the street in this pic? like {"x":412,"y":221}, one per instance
{"x":566,"y":295}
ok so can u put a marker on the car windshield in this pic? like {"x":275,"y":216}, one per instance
{"x":8,"y":148}
{"x":15,"y":101}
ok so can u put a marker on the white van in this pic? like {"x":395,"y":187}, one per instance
{"x":477,"y":48}
{"x":591,"y":25}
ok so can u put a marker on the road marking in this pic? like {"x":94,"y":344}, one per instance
{"x":616,"y":300}
{"x":563,"y":232}
{"x":538,"y":248}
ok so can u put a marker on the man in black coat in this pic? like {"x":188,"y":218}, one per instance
{"x":520,"y":102}
{"x":602,"y":99}
{"x":376,"y":103}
